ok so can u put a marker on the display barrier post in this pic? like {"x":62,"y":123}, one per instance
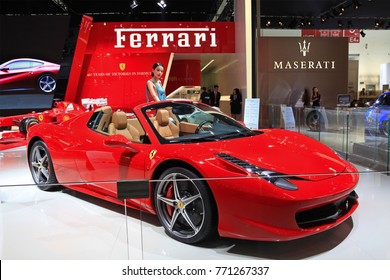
{"x":388,"y":146}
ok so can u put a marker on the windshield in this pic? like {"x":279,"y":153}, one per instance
{"x":184,"y":122}
{"x":383,"y":100}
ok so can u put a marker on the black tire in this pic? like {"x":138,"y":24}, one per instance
{"x":26,"y":123}
{"x":314,"y":121}
{"x":47,"y":83}
{"x":185,"y":206}
{"x":41,"y":167}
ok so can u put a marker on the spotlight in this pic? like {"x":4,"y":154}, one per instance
{"x":309,"y":22}
{"x":324,"y":18}
{"x":303,"y":22}
{"x":280,"y":23}
{"x":340,"y":24}
{"x":379,"y":23}
{"x":356,"y":4}
{"x":134,"y":4}
{"x":341,"y":10}
{"x":268,"y":23}
{"x":162,"y":4}
{"x":362,"y":33}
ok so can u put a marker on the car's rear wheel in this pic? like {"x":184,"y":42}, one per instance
{"x":41,"y":167}
{"x":47,"y":83}
{"x":26,"y":123}
{"x":185,"y":206}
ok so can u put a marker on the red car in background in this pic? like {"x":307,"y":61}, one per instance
{"x":24,"y":74}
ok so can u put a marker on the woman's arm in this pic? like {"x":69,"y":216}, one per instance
{"x":153,"y":91}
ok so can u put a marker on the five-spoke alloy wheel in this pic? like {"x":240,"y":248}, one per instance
{"x":47,"y":83}
{"x":184,"y":205}
{"x":41,"y":167}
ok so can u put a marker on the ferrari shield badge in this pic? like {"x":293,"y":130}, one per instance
{"x":122,"y":66}
{"x":152,"y":154}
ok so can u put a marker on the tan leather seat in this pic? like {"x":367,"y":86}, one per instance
{"x":105,"y":118}
{"x":119,"y":125}
{"x":164,"y":126}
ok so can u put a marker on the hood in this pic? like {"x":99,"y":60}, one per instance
{"x":286,"y":152}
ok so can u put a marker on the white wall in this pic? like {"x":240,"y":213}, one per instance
{"x":373,"y":50}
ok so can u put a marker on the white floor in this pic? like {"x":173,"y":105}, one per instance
{"x":37,"y":225}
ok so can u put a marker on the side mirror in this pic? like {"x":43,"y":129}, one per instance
{"x":120,"y":141}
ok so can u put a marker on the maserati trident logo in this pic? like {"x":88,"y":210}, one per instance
{"x":303,"y":48}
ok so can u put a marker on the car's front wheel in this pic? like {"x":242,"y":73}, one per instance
{"x":185,"y":206}
{"x":41,"y":167}
{"x":47,"y":83}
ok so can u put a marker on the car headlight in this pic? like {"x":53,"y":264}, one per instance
{"x":276,"y":178}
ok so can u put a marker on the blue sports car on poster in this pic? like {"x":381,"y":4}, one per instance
{"x":377,"y":116}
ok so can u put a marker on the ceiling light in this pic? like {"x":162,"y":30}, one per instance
{"x":379,"y":23}
{"x":309,"y":22}
{"x":362,"y":33}
{"x":268,"y":23}
{"x":134,"y":4}
{"x":211,"y":61}
{"x":356,"y":4}
{"x":324,"y":18}
{"x":340,"y":23}
{"x":162,"y":4}
{"x":280,"y":23}
{"x":341,"y":10}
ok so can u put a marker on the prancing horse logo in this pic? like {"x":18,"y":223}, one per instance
{"x":122,"y":66}
{"x":152,"y":154}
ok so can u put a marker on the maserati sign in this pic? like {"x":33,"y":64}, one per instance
{"x":304,"y":48}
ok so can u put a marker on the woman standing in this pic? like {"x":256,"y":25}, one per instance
{"x":315,"y":97}
{"x":154,"y":88}
{"x":235,"y":103}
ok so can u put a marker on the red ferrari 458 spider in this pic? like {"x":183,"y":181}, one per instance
{"x":28,"y":74}
{"x":207,"y":173}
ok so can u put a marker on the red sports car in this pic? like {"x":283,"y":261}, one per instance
{"x":206,"y":173}
{"x":28,"y":74}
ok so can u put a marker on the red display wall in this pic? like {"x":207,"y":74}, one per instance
{"x":113,"y":60}
{"x":184,"y":73}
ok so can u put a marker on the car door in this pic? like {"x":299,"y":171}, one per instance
{"x":102,"y":166}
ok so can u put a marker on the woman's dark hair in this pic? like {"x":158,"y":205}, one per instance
{"x":157,"y":64}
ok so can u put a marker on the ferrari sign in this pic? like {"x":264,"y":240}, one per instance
{"x":149,"y":37}
{"x":165,"y":37}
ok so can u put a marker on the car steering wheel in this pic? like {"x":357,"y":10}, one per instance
{"x":202,"y":124}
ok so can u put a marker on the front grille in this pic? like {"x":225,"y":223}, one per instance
{"x":326,"y":214}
